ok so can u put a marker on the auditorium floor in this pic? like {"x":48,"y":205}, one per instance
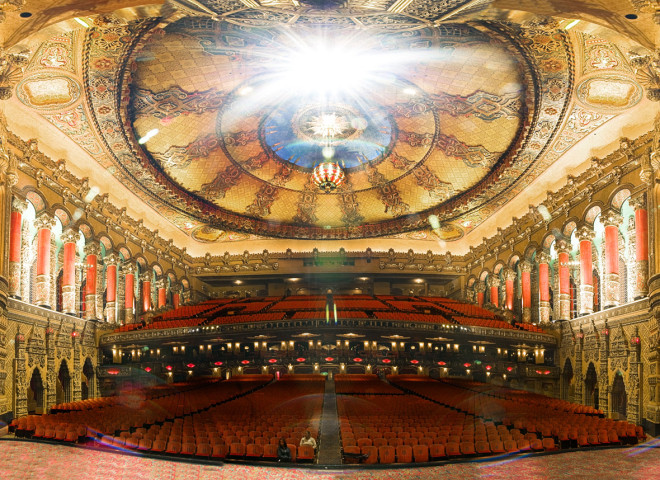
{"x":24,"y":460}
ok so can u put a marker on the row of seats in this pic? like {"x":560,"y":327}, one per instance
{"x":452,"y":418}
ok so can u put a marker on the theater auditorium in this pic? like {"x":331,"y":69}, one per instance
{"x":352,"y":239}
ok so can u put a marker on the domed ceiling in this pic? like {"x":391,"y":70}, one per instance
{"x":216,"y":114}
{"x":239,"y":134}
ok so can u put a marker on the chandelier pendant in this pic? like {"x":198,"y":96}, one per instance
{"x":328,"y":176}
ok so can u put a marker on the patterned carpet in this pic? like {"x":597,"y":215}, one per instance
{"x":22,"y":460}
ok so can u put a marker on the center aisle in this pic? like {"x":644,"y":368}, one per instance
{"x":329,"y":451}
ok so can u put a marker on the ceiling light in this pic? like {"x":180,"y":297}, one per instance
{"x":149,"y":135}
{"x":410,"y":91}
{"x":328,"y":176}
{"x":571,"y":25}
{"x":245,"y":90}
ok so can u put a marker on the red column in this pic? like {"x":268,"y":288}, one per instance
{"x":15,"y":234}
{"x":563,"y":259}
{"x":526,"y":280}
{"x":69,"y":237}
{"x":611,"y":220}
{"x":176,"y":299}
{"x":586,"y":235}
{"x":641,"y":246}
{"x":110,"y":262}
{"x":162,"y":293}
{"x":43,"y":224}
{"x":494,"y":283}
{"x":544,"y":287}
{"x":129,"y":292}
{"x":92,"y":250}
{"x":509,"y":277}
{"x":146,"y":291}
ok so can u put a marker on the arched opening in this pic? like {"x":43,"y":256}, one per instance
{"x":619,"y":397}
{"x":35,"y":393}
{"x":63,"y":385}
{"x":567,"y":389}
{"x":591,"y":387}
{"x":87,"y":380}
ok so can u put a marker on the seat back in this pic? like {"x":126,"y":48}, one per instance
{"x":404,"y":454}
{"x":421,"y":453}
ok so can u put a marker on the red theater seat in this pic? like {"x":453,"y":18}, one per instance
{"x":421,"y":453}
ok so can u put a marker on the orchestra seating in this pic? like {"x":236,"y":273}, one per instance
{"x":243,"y":417}
{"x":442,"y":420}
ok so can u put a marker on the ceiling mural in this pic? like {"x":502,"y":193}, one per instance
{"x":435,"y":128}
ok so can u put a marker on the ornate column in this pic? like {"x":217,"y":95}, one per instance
{"x":20,"y":377}
{"x":146,"y":278}
{"x":176,"y":296}
{"x":641,"y":246}
{"x":509,"y":277}
{"x":128,"y":270}
{"x":526,"y":281}
{"x":43,"y":224}
{"x":494,"y":284}
{"x":70,"y":237}
{"x":92,"y":251}
{"x":611,"y":220}
{"x":111,"y":287}
{"x":162,"y":293}
{"x":51,"y":369}
{"x":544,"y":287}
{"x":480,"y":288}
{"x":121,"y":292}
{"x":79,"y":293}
{"x":586,"y":236}
{"x":76,"y":386}
{"x":15,"y":234}
{"x":563,"y":259}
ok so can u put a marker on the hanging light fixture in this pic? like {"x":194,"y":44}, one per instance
{"x":328,"y":176}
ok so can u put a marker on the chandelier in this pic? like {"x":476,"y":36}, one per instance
{"x":328,"y":176}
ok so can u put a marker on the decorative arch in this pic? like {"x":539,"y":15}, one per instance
{"x":592,"y":211}
{"x":472,"y":279}
{"x":86,"y":230}
{"x":157,"y":268}
{"x":125,"y":252}
{"x":36,"y":198}
{"x":484,"y":275}
{"x":547,"y":240}
{"x":63,"y":214}
{"x":185,"y":283}
{"x":498,"y":267}
{"x":171,"y":276}
{"x":620,"y":195}
{"x":514,"y":259}
{"x":530,"y":251}
{"x":570,"y":225}
{"x":106,"y":241}
{"x":142,"y":262}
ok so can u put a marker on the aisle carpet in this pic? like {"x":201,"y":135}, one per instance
{"x":24,"y":460}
